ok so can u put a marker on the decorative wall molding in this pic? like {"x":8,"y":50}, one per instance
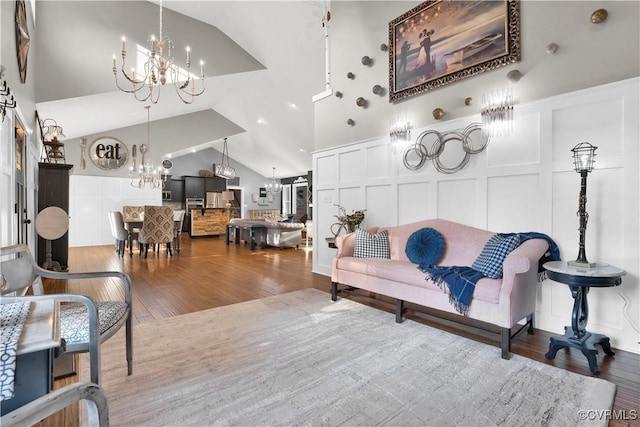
{"x":522,"y":183}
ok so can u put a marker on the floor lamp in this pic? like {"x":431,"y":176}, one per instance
{"x":583,"y":159}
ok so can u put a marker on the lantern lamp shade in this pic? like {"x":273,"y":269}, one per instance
{"x":583,"y":157}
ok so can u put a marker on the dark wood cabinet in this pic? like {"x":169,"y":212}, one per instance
{"x":193,"y":187}
{"x":53,"y":190}
{"x":198,"y":186}
{"x":176,"y":186}
{"x":215,"y":184}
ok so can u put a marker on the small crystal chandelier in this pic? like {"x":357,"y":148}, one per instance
{"x":145,"y":174}
{"x":497,"y":114}
{"x":159,"y":67}
{"x":274,"y":186}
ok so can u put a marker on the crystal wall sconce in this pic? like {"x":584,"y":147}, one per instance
{"x":399,"y":136}
{"x":497,"y":113}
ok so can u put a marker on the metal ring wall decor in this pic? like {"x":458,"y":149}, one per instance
{"x":415,"y":157}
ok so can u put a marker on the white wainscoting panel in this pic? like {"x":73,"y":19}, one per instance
{"x":378,"y":199}
{"x":514,"y":203}
{"x":457,"y":201}
{"x":6,"y":210}
{"x":597,"y":122}
{"x":327,"y":169}
{"x":416,"y":195}
{"x":351,"y":166}
{"x":526,"y":130}
{"x":377,"y":162}
{"x":525,"y":182}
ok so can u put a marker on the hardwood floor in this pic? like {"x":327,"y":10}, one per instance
{"x":208,"y":274}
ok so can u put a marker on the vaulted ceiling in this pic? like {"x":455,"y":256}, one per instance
{"x":264,"y":60}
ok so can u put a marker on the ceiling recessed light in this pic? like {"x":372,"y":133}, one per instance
{"x":261,"y":121}
{"x":293,"y":105}
{"x":193,"y":150}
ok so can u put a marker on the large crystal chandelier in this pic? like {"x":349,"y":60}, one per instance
{"x":274,"y":186}
{"x":159,"y":67}
{"x":145,"y":174}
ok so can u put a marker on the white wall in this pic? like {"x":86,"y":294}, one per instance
{"x":91,"y":198}
{"x":24,"y":95}
{"x":588,"y":55}
{"x":522,"y":183}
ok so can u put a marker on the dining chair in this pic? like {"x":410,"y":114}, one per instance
{"x":133,"y":213}
{"x":178,"y":220}
{"x":119,"y":232}
{"x":84,"y":323}
{"x":157,"y":228}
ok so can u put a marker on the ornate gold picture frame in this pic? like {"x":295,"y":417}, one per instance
{"x":442,"y":41}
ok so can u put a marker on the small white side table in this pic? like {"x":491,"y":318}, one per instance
{"x":580,"y":280}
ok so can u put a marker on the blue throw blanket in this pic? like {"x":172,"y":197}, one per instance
{"x":460,"y":281}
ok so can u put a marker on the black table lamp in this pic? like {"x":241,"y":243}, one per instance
{"x":583,"y":159}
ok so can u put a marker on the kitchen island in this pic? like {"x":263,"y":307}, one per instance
{"x":208,"y":222}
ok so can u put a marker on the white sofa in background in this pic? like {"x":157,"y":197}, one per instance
{"x":278,"y":234}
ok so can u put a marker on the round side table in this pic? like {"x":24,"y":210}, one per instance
{"x":580,"y":280}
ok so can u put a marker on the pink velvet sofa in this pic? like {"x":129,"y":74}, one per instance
{"x":499,"y":302}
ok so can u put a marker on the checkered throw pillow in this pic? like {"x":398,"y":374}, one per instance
{"x":369,"y":245}
{"x":493,"y":254}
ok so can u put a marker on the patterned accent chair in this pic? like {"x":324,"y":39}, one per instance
{"x":133,"y":213}
{"x":157,"y":228}
{"x":84,"y":323}
{"x":118,"y":231}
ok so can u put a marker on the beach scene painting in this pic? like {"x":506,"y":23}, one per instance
{"x":441,"y":41}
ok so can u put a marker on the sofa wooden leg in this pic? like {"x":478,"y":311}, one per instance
{"x":505,"y":341}
{"x":399,"y":310}
{"x":334,"y":291}
{"x":530,"y":320}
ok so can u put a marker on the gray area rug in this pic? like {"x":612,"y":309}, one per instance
{"x":301,"y":359}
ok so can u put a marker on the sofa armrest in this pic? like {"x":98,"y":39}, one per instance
{"x":522,"y":260}
{"x":345,"y":244}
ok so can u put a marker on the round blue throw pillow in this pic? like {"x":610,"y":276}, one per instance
{"x":425,"y":246}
